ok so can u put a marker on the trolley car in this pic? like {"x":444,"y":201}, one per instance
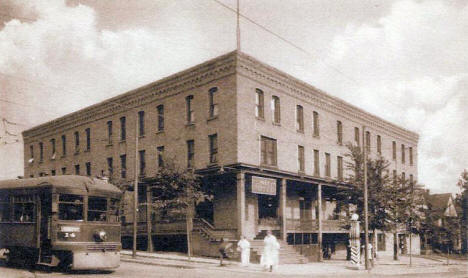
{"x":66,"y":221}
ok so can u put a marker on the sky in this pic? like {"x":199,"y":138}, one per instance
{"x":404,"y":61}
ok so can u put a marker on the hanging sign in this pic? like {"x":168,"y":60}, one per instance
{"x":263,"y":186}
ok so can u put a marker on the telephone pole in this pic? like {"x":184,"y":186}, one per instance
{"x":366,"y":223}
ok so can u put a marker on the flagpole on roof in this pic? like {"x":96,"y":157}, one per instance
{"x":238,"y":28}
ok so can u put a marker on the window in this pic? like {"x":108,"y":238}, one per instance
{"x":368,"y":141}
{"x":123,"y":166}
{"x":339,"y":132}
{"x":88,"y":139}
{"x":88,"y":168}
{"x":268,"y":151}
{"x":23,"y":208}
{"x":110,"y":166}
{"x":403,"y":153}
{"x":395,"y":178}
{"x":5,"y":208}
{"x":411,"y":156}
{"x":109,"y":132}
{"x":41,"y":152}
{"x":141,"y":157}
{"x":379,"y":144}
{"x":316,"y":124}
{"x":77,"y":141}
{"x":316,"y":163}
{"x":64,"y":145}
{"x":64,"y":170}
{"x":52,"y":144}
{"x":259,"y":104}
{"x":300,"y":158}
{"x":189,"y":108}
{"x":299,"y":118}
{"x":381,"y":242}
{"x":190,"y":154}
{"x":141,"y":123}
{"x":53,"y":172}
{"x":275,"y":107}
{"x":77,"y":169}
{"x":327,"y":165}
{"x":213,"y":105}
{"x":160,"y":109}
{"x":340,"y":167}
{"x":123,"y":130}
{"x":113,"y":210}
{"x":97,"y":209}
{"x":160,"y":151}
{"x":394,"y":150}
{"x":70,"y":207}
{"x":31,"y":152}
{"x":213,"y":148}
{"x":356,"y":136}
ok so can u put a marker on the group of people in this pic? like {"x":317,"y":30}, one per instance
{"x":270,"y":256}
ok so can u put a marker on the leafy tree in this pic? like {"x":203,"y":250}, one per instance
{"x":463,"y":202}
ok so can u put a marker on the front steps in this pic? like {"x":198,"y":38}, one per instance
{"x":287,"y":253}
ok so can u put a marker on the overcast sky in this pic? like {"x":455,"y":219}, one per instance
{"x":405,"y":61}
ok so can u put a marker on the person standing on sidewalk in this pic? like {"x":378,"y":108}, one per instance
{"x":224,"y":247}
{"x":244,"y":247}
{"x":270,"y":256}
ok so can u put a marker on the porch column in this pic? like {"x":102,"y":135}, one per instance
{"x":283,"y":209}
{"x":319,"y":220}
{"x":240,"y":203}
{"x":148,"y":219}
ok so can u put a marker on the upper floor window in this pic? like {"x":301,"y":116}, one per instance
{"x":109,"y":132}
{"x":213,"y":148}
{"x":64,"y":170}
{"x":327,"y":165}
{"x":88,"y":139}
{"x":77,"y":141}
{"x":190,"y":153}
{"x":212,"y":100}
{"x":77,"y":169}
{"x":316,"y":163}
{"x":339,"y":132}
{"x":64,"y":145}
{"x":189,"y":108}
{"x":316,"y":124}
{"x":368,"y":141}
{"x":411,"y":156}
{"x":356,"y":136}
{"x":41,"y":151}
{"x":160,"y":109}
{"x":276,"y":109}
{"x":31,"y":152}
{"x":340,"y":167}
{"x":259,"y":104}
{"x":123,"y":129}
{"x":402,"y":153}
{"x":160,"y":152}
{"x":394,"y":150}
{"x":141,"y":159}
{"x":52,"y":144}
{"x":379,"y":144}
{"x":268,"y":151}
{"x":141,"y":123}
{"x":300,"y":118}
{"x":300,"y":158}
{"x":123,"y":166}
{"x":88,"y":168}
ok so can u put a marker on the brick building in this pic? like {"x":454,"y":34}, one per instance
{"x":273,"y":147}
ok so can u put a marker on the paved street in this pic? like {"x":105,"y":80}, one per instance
{"x":137,"y":270}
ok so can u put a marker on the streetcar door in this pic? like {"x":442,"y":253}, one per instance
{"x":46,"y":218}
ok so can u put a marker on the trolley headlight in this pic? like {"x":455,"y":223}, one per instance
{"x":100,"y":235}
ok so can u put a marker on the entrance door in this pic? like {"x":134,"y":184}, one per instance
{"x":267,"y":206}
{"x":46,"y":217}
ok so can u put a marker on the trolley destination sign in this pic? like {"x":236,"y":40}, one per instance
{"x":264,"y":186}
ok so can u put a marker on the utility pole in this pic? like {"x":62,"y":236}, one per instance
{"x":135,"y":189}
{"x":238,"y":27}
{"x":411,"y":225}
{"x":366,"y":228}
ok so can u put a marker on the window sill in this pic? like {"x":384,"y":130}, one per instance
{"x":41,"y":161}
{"x":339,"y":143}
{"x":109,"y":145}
{"x":260,"y":118}
{"x":211,"y":118}
{"x":275,"y":167}
{"x":160,"y":131}
{"x":87,"y":151}
{"x":301,"y":173}
{"x":277,"y":124}
{"x":300,"y":131}
{"x":122,"y":142}
{"x":316,"y":136}
{"x":191,"y":124}
{"x":141,"y":136}
{"x":212,"y":164}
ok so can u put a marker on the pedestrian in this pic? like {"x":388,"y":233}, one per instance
{"x":270,"y":256}
{"x":224,"y":247}
{"x":244,"y":247}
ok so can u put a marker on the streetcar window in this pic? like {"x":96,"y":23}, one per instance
{"x":4,"y":209}
{"x":70,"y":207}
{"x":23,"y":208}
{"x":97,"y":209}
{"x":114,"y":210}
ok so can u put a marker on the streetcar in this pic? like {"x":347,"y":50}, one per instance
{"x":67,"y":221}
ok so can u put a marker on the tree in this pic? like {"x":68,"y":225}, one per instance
{"x":177,"y":191}
{"x":463,"y":202}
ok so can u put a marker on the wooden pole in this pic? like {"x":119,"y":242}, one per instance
{"x":135,"y":191}
{"x":148,"y":219}
{"x":240,"y":203}
{"x":319,"y":236}
{"x":366,"y":227}
{"x":238,"y":27}
{"x":283,"y":209}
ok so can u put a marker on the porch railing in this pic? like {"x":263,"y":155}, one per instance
{"x":312,"y":225}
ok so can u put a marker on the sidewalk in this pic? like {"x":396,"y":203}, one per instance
{"x":383,"y":266}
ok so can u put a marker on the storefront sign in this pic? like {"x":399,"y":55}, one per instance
{"x":263,"y":186}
